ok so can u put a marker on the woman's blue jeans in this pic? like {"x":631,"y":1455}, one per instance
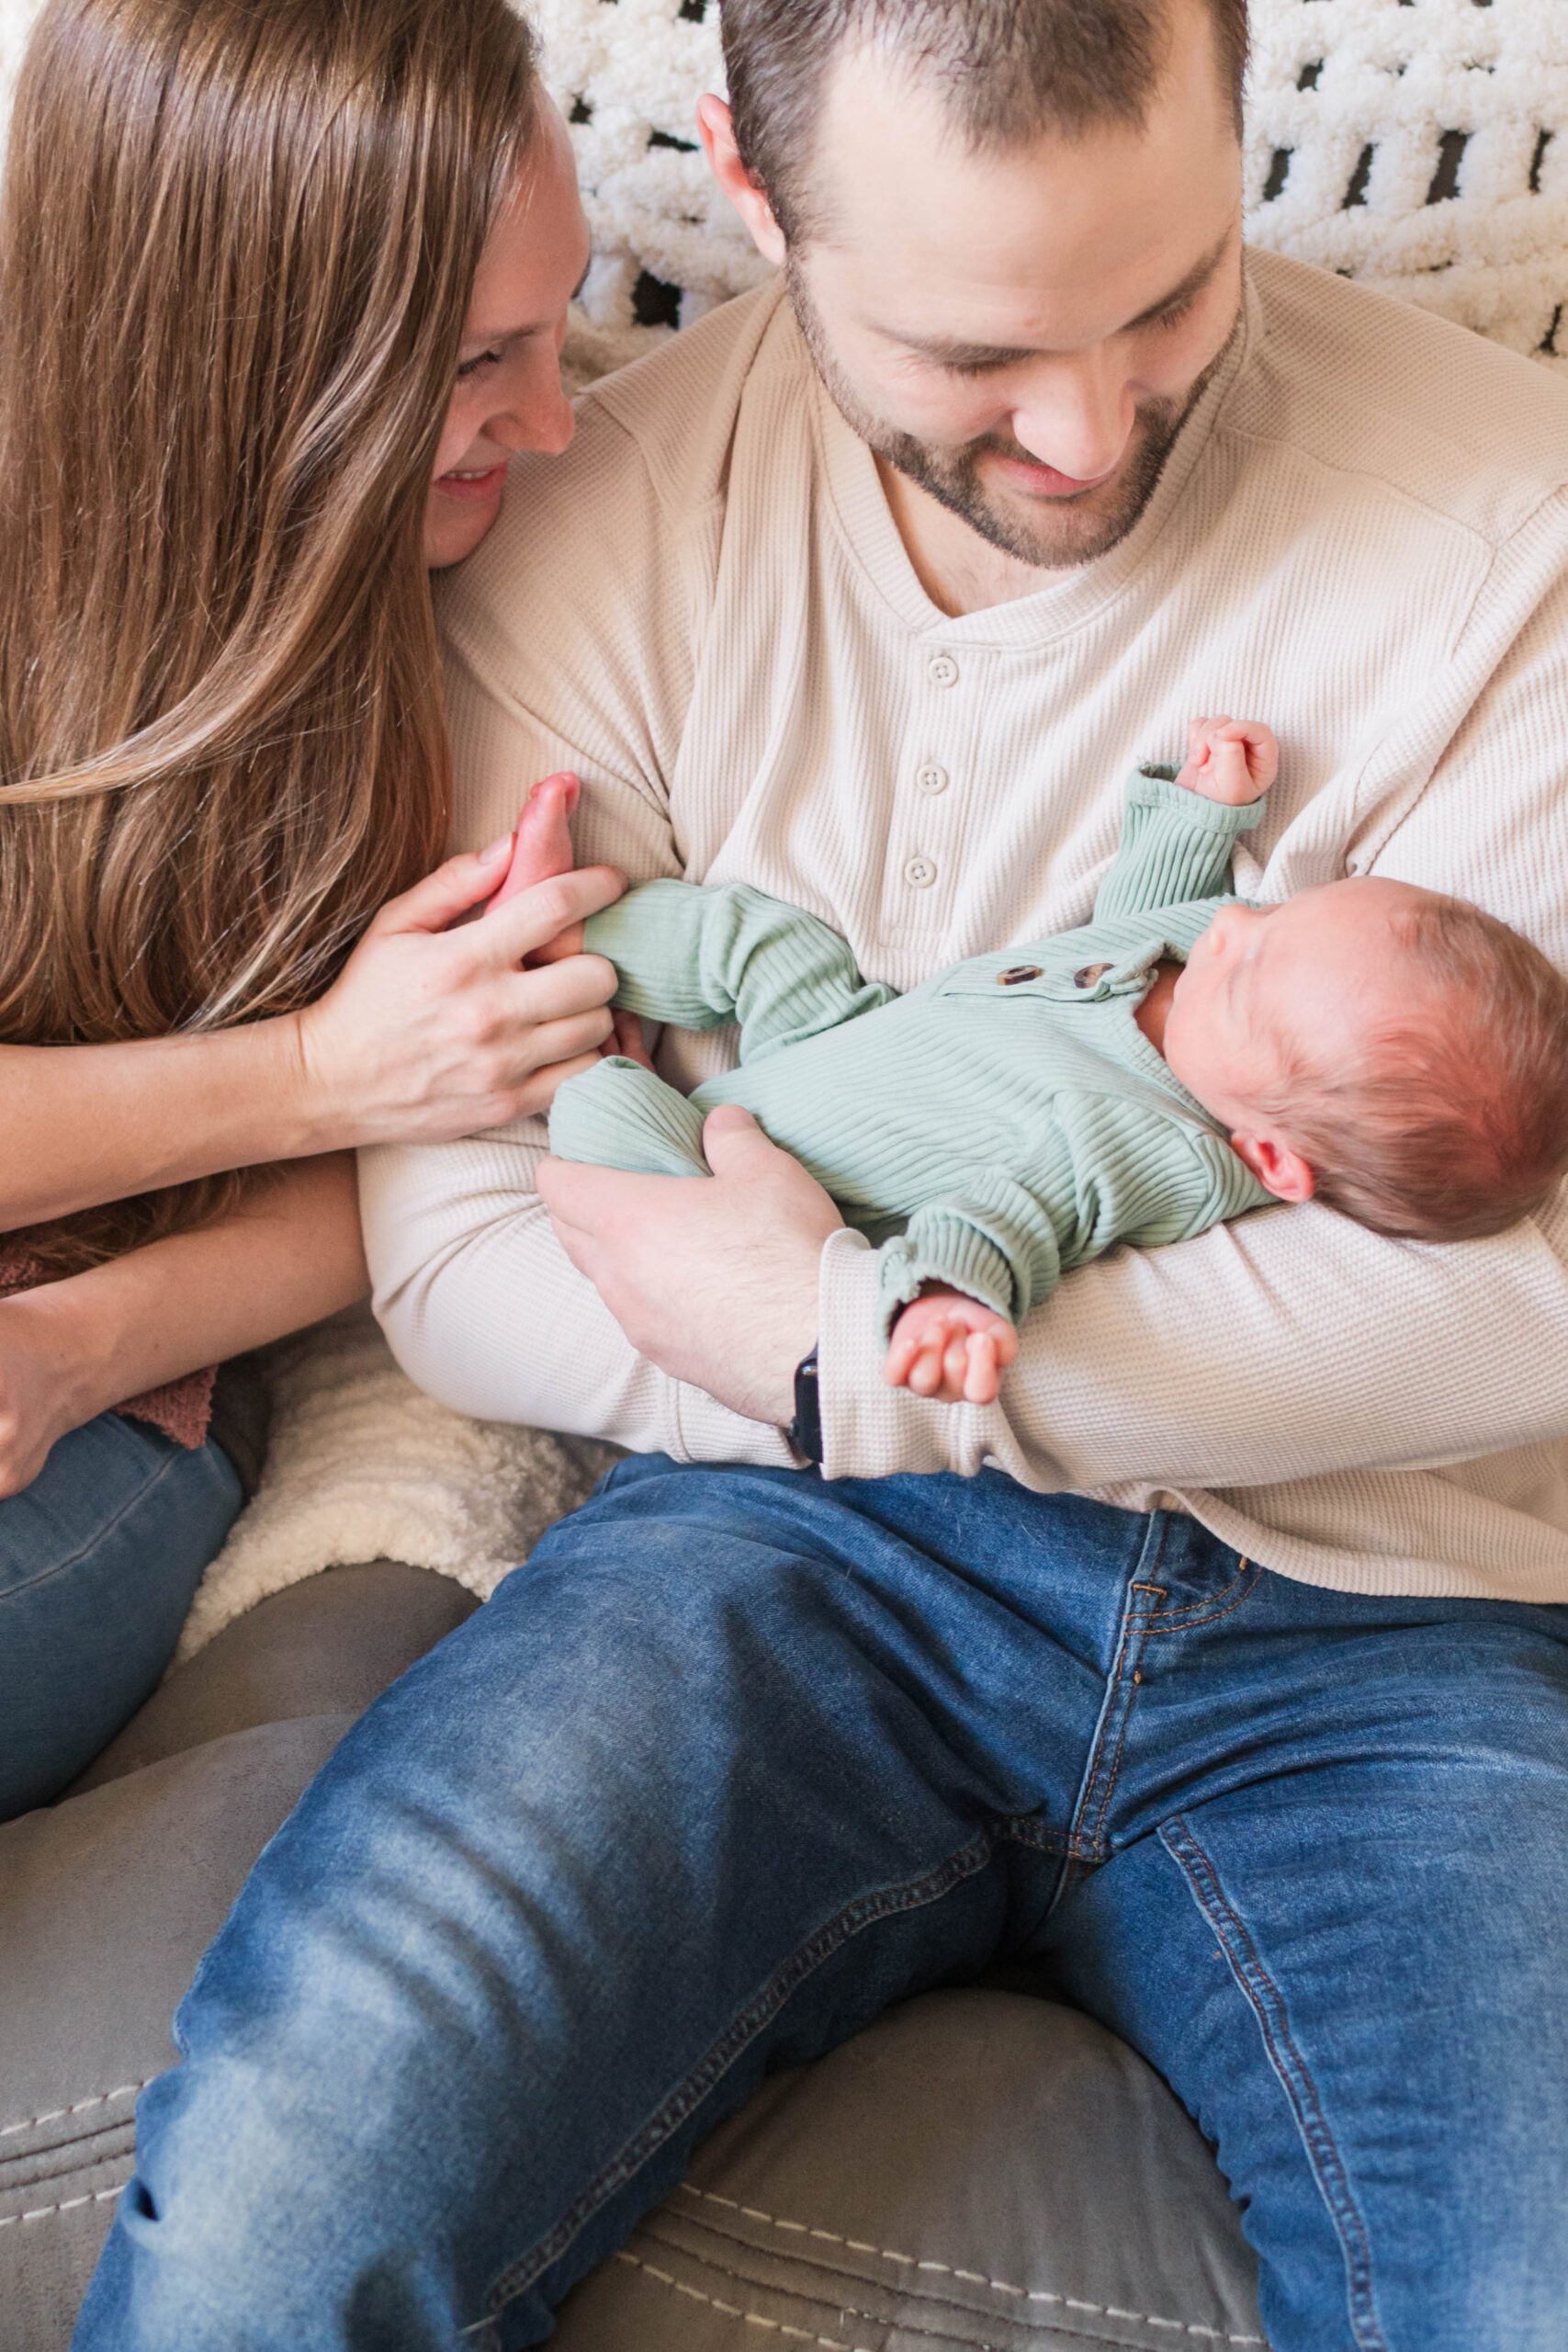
{"x":99,"y":1560}
{"x":740,"y":1758}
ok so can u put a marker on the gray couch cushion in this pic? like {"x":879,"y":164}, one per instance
{"x":979,"y":2169}
{"x":108,"y":1899}
{"x":324,"y":1647}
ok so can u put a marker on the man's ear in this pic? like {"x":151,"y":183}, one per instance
{"x":1278,"y":1169}
{"x":717,"y":132}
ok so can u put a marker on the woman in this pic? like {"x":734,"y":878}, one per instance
{"x":284,"y":285}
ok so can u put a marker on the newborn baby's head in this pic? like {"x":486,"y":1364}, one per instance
{"x":1402,"y":1056}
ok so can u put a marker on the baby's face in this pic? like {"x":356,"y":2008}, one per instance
{"x":1313,"y":973}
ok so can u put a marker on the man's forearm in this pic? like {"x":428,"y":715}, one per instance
{"x":285,"y":1260}
{"x":83,"y":1124}
{"x":1289,"y":1345}
{"x":483,"y":1310}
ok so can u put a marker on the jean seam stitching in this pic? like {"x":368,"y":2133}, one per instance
{"x":866,"y":1911}
{"x":1179,"y":1621}
{"x":1086,"y":1845}
{"x":100,"y":1535}
{"x":1268,"y":2005}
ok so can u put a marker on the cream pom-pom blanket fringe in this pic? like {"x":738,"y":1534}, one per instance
{"x":1421,"y":148}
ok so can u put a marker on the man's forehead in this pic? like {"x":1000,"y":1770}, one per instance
{"x":901,"y":192}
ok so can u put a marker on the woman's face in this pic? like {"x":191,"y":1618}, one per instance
{"x":508,"y":395}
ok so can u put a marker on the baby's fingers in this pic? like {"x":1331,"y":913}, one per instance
{"x":924,"y":1377}
{"x":982,"y":1378}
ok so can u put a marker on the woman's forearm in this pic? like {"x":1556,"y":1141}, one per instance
{"x":283,"y":1261}
{"x":82,"y":1125}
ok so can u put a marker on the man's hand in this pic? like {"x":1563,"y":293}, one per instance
{"x":713,"y":1280}
{"x":947,"y":1346}
{"x":1233,"y":761}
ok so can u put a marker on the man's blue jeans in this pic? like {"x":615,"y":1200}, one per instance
{"x":740,"y":1759}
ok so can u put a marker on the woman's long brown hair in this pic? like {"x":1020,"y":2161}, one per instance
{"x":237,"y":242}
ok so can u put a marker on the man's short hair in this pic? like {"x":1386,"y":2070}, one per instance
{"x":1009,"y":69}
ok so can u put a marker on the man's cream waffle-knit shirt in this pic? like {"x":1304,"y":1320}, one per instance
{"x":706,"y":608}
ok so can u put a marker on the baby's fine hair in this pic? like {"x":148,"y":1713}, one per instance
{"x":1452,"y":1122}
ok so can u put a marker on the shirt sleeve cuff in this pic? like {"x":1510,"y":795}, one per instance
{"x":870,"y":1430}
{"x":712,"y":1432}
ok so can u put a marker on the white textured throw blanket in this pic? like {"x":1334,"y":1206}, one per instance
{"x":1422,"y":148}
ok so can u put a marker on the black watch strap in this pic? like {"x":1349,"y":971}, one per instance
{"x":806,"y":1429}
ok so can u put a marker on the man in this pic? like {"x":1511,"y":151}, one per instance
{"x":1227,"y":1675}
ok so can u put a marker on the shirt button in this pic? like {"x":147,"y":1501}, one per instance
{"x":1017,"y":974}
{"x":933,"y":779}
{"x":1090,"y":975}
{"x":919,"y":874}
{"x":942,"y":670}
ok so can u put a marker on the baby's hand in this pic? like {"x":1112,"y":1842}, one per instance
{"x":1233,"y":761}
{"x":950,"y":1347}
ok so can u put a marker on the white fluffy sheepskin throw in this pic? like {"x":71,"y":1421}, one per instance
{"x":1419,"y":145}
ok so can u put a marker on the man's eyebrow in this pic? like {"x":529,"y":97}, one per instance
{"x":950,"y":353}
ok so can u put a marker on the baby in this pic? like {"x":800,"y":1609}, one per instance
{"x":1183,"y":1058}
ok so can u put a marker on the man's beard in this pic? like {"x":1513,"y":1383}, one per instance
{"x":1071,"y":530}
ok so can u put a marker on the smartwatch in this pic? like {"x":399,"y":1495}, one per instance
{"x":804,"y":1432}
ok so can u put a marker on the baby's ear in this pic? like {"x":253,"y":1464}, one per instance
{"x":1278,"y":1169}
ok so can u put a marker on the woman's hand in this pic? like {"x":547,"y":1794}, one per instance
{"x":41,"y":1389}
{"x":432,"y":1032}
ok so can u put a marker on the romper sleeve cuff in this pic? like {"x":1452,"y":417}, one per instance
{"x":870,"y":1430}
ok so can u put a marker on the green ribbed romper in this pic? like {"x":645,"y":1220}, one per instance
{"x":1001,"y":1124}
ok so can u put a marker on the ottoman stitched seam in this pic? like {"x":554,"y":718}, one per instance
{"x":67,"y":2205}
{"x":952,"y":2271}
{"x":58,"y":2114}
{"x":867,"y":1910}
{"x":906,"y":2325}
{"x":733,"y":2311}
{"x":43,"y":2166}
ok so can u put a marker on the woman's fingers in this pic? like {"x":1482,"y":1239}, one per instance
{"x":582,"y":984}
{"x":450,"y":891}
{"x":546,"y":1084}
{"x":565,"y":1040}
{"x":507,"y":933}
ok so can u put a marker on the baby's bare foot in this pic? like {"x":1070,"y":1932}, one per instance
{"x":542,"y":848}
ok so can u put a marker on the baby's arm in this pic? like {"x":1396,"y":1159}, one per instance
{"x":1179,"y":836}
{"x":949,"y":1347}
{"x":964,"y":1272}
{"x":699,"y":956}
{"x":1232,"y":761}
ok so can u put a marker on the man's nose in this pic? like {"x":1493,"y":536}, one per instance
{"x":1077,"y":416}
